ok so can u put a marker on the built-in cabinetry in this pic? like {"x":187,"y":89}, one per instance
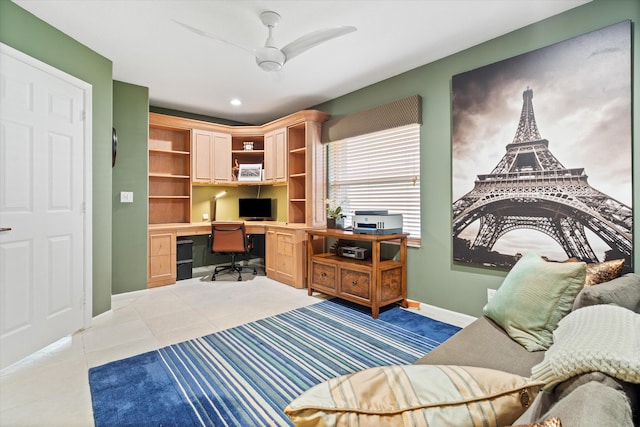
{"x":185,"y":152}
{"x":373,"y":282}
{"x":162,"y":257}
{"x":169,"y":175}
{"x":285,"y":256}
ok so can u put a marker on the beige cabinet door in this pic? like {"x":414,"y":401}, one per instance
{"x":162,"y":258}
{"x":201,"y":155}
{"x":221,"y":159}
{"x":211,"y":156}
{"x":275,"y":156}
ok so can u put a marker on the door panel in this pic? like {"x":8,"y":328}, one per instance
{"x":43,"y":167}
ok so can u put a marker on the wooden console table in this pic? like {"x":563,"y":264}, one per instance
{"x":373,"y":282}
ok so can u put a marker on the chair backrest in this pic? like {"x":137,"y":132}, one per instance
{"x":228,"y":237}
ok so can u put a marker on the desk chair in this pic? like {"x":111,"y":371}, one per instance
{"x":229,"y":238}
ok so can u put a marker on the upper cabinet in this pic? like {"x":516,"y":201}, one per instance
{"x":211,"y":157}
{"x":275,"y":156}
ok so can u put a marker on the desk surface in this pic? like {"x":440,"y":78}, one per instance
{"x":193,"y":228}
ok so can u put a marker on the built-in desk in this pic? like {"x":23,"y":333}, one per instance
{"x":285,"y":250}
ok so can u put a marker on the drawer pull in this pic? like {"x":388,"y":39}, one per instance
{"x":354,"y":283}
{"x":323,"y":274}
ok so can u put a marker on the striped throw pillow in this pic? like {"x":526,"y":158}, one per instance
{"x":415,"y":395}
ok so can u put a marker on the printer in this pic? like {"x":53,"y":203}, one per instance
{"x":376,"y":222}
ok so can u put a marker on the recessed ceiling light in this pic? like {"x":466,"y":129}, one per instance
{"x":236,"y":102}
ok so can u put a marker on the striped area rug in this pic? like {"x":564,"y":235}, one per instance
{"x":245,"y":376}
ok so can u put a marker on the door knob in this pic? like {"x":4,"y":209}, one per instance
{"x":5,"y":229}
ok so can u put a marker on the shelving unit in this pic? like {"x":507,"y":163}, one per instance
{"x":169,"y":175}
{"x":297,"y":162}
{"x":241,"y":156}
{"x":373,"y":282}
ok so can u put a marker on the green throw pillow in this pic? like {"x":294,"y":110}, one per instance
{"x":533,"y":298}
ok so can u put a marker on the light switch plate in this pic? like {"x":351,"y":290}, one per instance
{"x":126,"y":197}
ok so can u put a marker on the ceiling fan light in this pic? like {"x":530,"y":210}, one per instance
{"x":269,"y":65}
{"x":270,"y":58}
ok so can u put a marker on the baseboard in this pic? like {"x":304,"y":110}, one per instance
{"x":443,"y":315}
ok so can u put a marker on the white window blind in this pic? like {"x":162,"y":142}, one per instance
{"x":378,"y":171}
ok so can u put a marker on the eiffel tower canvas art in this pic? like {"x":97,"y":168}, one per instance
{"x":552,"y":201}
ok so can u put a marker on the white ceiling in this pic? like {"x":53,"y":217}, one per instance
{"x":191,"y":73}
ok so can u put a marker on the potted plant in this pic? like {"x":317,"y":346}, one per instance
{"x":335,"y":218}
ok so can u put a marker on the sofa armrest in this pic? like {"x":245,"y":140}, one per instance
{"x":484,"y":344}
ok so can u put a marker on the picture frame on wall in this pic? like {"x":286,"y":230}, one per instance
{"x":250,"y":172}
{"x":529,"y":174}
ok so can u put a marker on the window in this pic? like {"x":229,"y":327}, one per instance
{"x":378,"y":171}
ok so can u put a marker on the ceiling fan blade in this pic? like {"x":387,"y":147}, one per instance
{"x":214,"y":37}
{"x":310,"y":40}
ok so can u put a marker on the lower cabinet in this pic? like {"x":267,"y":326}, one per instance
{"x":162,"y":258}
{"x":286,"y":255}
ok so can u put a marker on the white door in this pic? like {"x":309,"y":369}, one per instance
{"x":45,"y":179}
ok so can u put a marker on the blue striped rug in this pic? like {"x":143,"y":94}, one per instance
{"x":245,"y":376}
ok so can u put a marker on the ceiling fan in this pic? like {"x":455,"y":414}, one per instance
{"x":269,"y":57}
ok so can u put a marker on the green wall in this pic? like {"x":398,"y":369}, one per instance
{"x":26,"y":33}
{"x":433,"y":278}
{"x":129,"y":250}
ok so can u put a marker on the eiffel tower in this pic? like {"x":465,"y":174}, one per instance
{"x":531,"y":189}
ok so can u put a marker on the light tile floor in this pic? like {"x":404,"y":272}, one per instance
{"x":51,"y":387}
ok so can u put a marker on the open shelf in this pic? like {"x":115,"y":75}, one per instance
{"x":169,"y":175}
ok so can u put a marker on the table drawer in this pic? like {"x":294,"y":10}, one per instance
{"x":356,"y":283}
{"x":323,"y":275}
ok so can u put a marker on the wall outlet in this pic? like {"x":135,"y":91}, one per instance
{"x":205,"y":216}
{"x":490,"y":294}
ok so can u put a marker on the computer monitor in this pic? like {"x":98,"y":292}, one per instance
{"x":255,"y":209}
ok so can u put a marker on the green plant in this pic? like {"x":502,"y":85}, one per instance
{"x":334,"y":210}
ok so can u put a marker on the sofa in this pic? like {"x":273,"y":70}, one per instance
{"x":589,"y":398}
{"x":557,"y":345}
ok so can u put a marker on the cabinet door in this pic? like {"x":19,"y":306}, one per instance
{"x":285,"y":257}
{"x":211,"y":156}
{"x":275,"y":156}
{"x":201,"y":154}
{"x":162,"y":259}
{"x":221,"y":159}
